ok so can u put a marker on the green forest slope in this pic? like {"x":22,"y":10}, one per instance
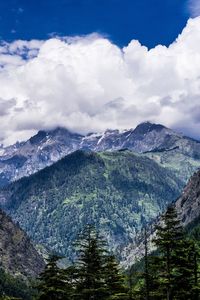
{"x":117,"y":191}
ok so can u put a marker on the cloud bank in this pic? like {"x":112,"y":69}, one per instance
{"x":89,"y":84}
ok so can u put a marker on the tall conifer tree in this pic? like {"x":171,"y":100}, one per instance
{"x":90,"y":266}
{"x":98,"y":275}
{"x":114,"y":279}
{"x":174,"y":264}
{"x":53,"y":282}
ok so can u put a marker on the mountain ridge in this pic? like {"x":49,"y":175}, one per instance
{"x":47,"y":147}
{"x":188,"y":211}
{"x":119,"y":190}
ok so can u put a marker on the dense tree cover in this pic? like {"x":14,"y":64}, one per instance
{"x":171,"y":272}
{"x":54,"y":282}
{"x":95,"y":274}
{"x":14,"y":288}
{"x":113,"y":190}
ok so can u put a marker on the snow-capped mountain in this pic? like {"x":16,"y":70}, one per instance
{"x":40,"y":151}
{"x":144,"y":138}
{"x":46,"y":147}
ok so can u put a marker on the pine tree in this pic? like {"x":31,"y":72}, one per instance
{"x":114,"y":279}
{"x":98,"y":276}
{"x":53,"y":282}
{"x":195,"y":254}
{"x":174,"y":264}
{"x":90,"y":266}
{"x":155,"y":290}
{"x":146,"y":273}
{"x":193,"y":262}
{"x":144,"y":276}
{"x":130,"y":282}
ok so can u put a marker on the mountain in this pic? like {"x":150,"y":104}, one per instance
{"x":18,"y":255}
{"x":47,"y":147}
{"x":26,"y":158}
{"x":188,"y":210}
{"x":144,"y":138}
{"x":119,"y":191}
{"x":188,"y":205}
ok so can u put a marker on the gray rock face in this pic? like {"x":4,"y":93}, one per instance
{"x":45,"y":148}
{"x":188,"y":209}
{"x":188,"y":205}
{"x":17,"y":255}
{"x":40,"y":151}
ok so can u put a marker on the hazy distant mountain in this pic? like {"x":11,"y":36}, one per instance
{"x":45,"y":148}
{"x":119,"y":191}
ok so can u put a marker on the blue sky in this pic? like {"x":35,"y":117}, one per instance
{"x":151,"y":22}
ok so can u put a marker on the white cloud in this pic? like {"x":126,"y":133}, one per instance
{"x":89,"y":84}
{"x":194,"y":7}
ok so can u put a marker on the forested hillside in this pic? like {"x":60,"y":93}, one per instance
{"x":117,"y":191}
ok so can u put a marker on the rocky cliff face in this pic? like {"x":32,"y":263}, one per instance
{"x":17,"y":254}
{"x":188,"y":209}
{"x":45,"y":148}
{"x":188,"y":205}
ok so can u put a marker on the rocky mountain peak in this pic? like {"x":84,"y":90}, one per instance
{"x":39,"y":137}
{"x":47,"y":147}
{"x":147,"y":127}
{"x":61,"y":131}
{"x":42,"y":135}
{"x":111,"y":131}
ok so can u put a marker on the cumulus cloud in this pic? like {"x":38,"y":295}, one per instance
{"x":194,"y":7}
{"x":89,"y":84}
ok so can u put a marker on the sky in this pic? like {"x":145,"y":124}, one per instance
{"x":89,"y":65}
{"x":150,"y":21}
